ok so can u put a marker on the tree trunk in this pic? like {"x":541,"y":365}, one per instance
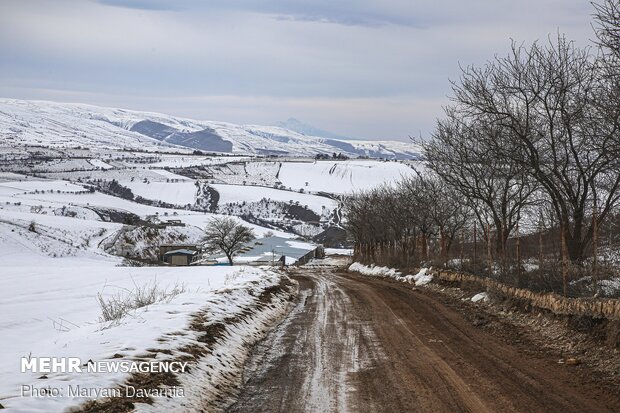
{"x":442,"y":244}
{"x":575,"y":246}
{"x":564,"y":261}
{"x":413,"y":245}
{"x":490,"y":256}
{"x":518,"y":248}
{"x":595,"y":246}
{"x":461,"y":255}
{"x":540,"y":245}
{"x":475,"y":245}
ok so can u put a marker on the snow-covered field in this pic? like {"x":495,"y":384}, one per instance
{"x":242,"y":193}
{"x":335,"y":177}
{"x":176,"y":161}
{"x":341,"y":176}
{"x":54,"y":266}
{"x":53,"y":311}
{"x":181,"y":193}
{"x":38,"y":199}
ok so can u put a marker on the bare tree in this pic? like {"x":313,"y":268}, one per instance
{"x":607,"y":25}
{"x":385,"y":222}
{"x":497,"y":187}
{"x":417,"y":195}
{"x":227,"y":235}
{"x":446,"y":210}
{"x":562,"y":119}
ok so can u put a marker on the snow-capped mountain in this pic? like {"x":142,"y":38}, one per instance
{"x":69,"y":125}
{"x":306,"y":129}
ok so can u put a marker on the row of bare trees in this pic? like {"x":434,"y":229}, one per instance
{"x":397,"y":224}
{"x":531,"y":138}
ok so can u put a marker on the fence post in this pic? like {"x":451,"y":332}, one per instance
{"x":490,"y":256}
{"x":564,"y":260}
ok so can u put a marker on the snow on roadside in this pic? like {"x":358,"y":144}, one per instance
{"x":214,"y":380}
{"x":419,"y":279}
{"x":375,"y":271}
{"x":53,"y":312}
{"x":480,"y":297}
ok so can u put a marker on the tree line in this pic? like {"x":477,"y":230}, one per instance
{"x":531,"y":138}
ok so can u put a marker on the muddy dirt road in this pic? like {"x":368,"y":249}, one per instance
{"x":356,"y":344}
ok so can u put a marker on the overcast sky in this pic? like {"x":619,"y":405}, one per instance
{"x":375,"y":69}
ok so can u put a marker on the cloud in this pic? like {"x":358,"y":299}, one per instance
{"x":376,"y":69}
{"x":348,"y":13}
{"x":145,"y":4}
{"x":377,"y":13}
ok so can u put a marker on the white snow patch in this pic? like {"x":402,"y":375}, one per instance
{"x":421,"y":278}
{"x":375,"y":271}
{"x":480,"y":297}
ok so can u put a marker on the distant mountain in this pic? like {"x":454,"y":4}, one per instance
{"x":298,"y":126}
{"x":68,"y":125}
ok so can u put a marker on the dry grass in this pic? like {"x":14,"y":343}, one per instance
{"x":116,"y":306}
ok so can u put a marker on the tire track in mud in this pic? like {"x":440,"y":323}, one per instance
{"x":314,"y":351}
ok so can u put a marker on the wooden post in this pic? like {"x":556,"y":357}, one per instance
{"x":490,"y":255}
{"x":595,"y":245}
{"x":424,"y":247}
{"x":462,"y":246}
{"x":475,"y":245}
{"x":503,"y":245}
{"x":564,"y":260}
{"x":540,"y":242}
{"x":518,"y":246}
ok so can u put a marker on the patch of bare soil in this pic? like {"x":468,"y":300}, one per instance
{"x":587,"y":347}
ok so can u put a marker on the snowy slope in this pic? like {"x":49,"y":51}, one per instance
{"x":54,"y":265}
{"x":54,"y":311}
{"x":342,"y":176}
{"x":65,"y":222}
{"x":240,"y":193}
{"x":177,"y":193}
{"x":69,"y":125}
{"x":62,"y":125}
{"x":300,"y":127}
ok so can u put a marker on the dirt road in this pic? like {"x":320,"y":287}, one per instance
{"x":357,"y":344}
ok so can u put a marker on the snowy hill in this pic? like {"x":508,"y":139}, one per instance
{"x":62,"y":125}
{"x":298,"y":126}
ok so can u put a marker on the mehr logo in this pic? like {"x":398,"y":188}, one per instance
{"x":51,"y":365}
